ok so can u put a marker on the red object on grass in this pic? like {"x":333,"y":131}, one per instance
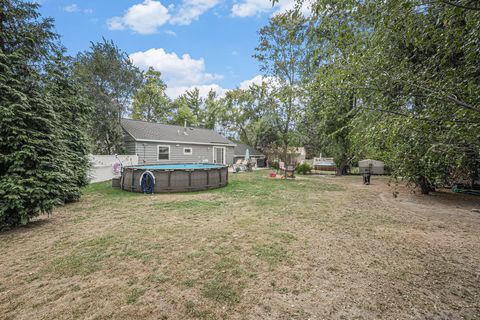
{"x":273,"y":174}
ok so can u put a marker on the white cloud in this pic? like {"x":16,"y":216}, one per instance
{"x":258,"y":81}
{"x":204,"y":89}
{"x":170,"y":33}
{"x":177,"y":71}
{"x":147,"y":17}
{"x":191,"y":10}
{"x":116,"y":23}
{"x":255,"y":80}
{"x":72,"y":8}
{"x":180,"y":73}
{"x":143,"y":18}
{"x":248,"y":8}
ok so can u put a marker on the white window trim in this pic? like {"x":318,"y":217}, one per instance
{"x":186,"y":153}
{"x":224,"y":153}
{"x":163,"y":146}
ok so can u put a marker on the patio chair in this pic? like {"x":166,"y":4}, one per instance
{"x":253,"y":162}
{"x":290,"y":171}
{"x":239,"y":165}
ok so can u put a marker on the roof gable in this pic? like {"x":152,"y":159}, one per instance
{"x":151,"y":131}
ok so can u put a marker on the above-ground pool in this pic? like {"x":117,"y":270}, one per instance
{"x":174,"y":177}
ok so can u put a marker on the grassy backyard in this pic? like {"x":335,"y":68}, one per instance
{"x":313,"y":248}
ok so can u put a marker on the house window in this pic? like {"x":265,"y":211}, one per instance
{"x":163,"y":152}
{"x":187,"y":151}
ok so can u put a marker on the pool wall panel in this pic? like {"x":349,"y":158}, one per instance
{"x":178,"y":180}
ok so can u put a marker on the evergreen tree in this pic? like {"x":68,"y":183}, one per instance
{"x":73,"y":110}
{"x":41,"y":150}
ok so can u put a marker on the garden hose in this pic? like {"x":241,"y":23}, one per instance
{"x":147,"y":182}
{"x":460,"y":189}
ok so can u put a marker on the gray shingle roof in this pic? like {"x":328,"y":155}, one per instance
{"x":142,"y":130}
{"x":241,"y":148}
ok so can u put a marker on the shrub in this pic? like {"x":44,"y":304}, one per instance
{"x":275,"y":165}
{"x":304,"y":168}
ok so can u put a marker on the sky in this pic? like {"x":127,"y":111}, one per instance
{"x":193,"y":43}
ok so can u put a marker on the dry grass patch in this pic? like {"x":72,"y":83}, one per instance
{"x":315,"y":247}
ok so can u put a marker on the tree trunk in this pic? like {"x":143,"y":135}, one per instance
{"x":342,"y":166}
{"x":425,"y":185}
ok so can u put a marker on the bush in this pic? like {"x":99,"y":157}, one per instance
{"x":304,"y":168}
{"x":275,"y":165}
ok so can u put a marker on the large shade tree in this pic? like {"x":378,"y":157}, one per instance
{"x":281,"y":53}
{"x":431,"y":95}
{"x":150,"y":102}
{"x":112,"y":80}
{"x":399,"y":81}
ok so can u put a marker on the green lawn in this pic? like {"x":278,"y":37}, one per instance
{"x":260,"y":248}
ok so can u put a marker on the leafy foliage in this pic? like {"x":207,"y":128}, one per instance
{"x":397,"y":81}
{"x":304,"y":168}
{"x":42,"y":114}
{"x":111,"y":80}
{"x":150,"y":103}
{"x":282,"y":56}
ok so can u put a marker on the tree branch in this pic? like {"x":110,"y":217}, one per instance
{"x":406,"y":115}
{"x":460,"y":5}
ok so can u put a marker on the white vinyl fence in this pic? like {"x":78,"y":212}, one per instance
{"x":106,"y":167}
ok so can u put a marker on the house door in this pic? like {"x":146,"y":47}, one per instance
{"x":219,"y":155}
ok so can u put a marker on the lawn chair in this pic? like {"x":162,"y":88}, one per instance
{"x":290,"y":171}
{"x":239,"y":166}
{"x":253,"y":162}
{"x":247,"y":164}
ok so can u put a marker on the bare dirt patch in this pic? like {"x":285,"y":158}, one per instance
{"x":314,"y":248}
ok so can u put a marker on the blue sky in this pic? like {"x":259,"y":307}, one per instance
{"x":194,"y":43}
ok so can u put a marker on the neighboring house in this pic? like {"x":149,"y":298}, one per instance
{"x":241,"y":150}
{"x":163,"y":143}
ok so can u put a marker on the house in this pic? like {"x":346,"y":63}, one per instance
{"x":241,"y":149}
{"x":163,"y":143}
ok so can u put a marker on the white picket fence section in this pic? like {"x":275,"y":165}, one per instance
{"x":106,"y":167}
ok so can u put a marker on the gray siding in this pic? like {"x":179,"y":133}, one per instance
{"x":147,"y":153}
{"x":130,"y":147}
{"x":129,"y":143}
{"x":229,"y":154}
